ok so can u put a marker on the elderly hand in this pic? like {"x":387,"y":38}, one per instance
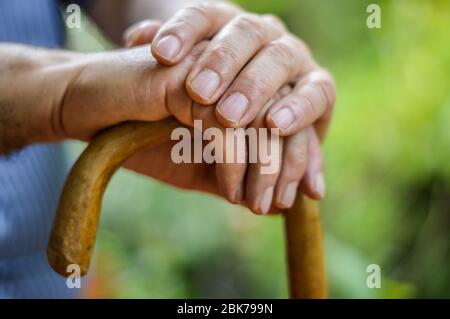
{"x":302,"y":159}
{"x":249,"y":58}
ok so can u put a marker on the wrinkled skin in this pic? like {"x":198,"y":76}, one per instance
{"x":52,"y":95}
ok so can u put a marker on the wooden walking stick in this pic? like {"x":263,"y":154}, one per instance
{"x":75,"y":227}
{"x":305,"y":250}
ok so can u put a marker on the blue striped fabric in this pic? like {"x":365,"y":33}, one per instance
{"x":30,"y":179}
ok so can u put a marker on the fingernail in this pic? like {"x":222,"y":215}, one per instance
{"x":288,"y":196}
{"x":131,"y":38}
{"x":320,"y":184}
{"x":206,"y":83}
{"x":266,"y":200}
{"x":234,"y":107}
{"x":168,"y":47}
{"x":283,"y":118}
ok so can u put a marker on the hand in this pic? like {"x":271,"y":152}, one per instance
{"x":281,"y":186}
{"x":245,"y":52}
{"x":263,"y":192}
{"x":55,"y":95}
{"x":118,"y":86}
{"x":249,"y":58}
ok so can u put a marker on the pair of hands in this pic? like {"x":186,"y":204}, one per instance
{"x":214,"y":63}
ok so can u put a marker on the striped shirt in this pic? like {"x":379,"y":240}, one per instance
{"x":30,"y":179}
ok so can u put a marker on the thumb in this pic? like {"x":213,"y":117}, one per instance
{"x":123,"y":85}
{"x":141,"y":32}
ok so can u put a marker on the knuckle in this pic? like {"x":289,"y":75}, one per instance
{"x":282,"y":54}
{"x":325,"y":83}
{"x":301,"y":149}
{"x":327,"y":91}
{"x":296,"y":100}
{"x":310,"y":109}
{"x":305,"y":105}
{"x":301,"y":159}
{"x":251,"y":25}
{"x":274,"y":20}
{"x":297,"y":160}
{"x":300,"y":53}
{"x":224,"y":54}
{"x":193,"y":15}
{"x":257,"y":84}
{"x":200,"y":10}
{"x":249,"y":20}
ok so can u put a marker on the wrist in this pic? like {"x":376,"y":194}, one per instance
{"x":59,"y":77}
{"x":32,"y":85}
{"x":25,"y":96}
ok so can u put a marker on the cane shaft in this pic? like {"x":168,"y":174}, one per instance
{"x":305,"y":250}
{"x":75,"y":227}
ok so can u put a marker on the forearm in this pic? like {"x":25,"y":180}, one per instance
{"x":114,"y":16}
{"x":32,"y":82}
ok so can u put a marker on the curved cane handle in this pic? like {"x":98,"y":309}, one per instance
{"x":74,"y":231}
{"x":75,"y":227}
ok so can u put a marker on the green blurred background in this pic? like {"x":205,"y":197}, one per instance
{"x":387,"y":172}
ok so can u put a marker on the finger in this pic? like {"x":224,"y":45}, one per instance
{"x":313,"y":183}
{"x":174,"y":100}
{"x":311,"y":102}
{"x":229,"y":173}
{"x":231,"y":165}
{"x":187,"y":115}
{"x":228,"y":52}
{"x":189,"y":26}
{"x":262,"y":172}
{"x":141,"y":33}
{"x":295,"y":158}
{"x":276,"y":64}
{"x":188,"y":112}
